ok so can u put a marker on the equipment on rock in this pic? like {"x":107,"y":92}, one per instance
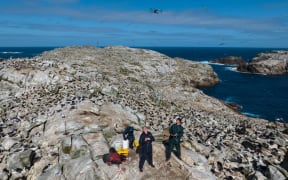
{"x":124,"y":150}
{"x":136,"y":145}
{"x":125,"y":144}
{"x":113,"y":157}
{"x":122,"y":147}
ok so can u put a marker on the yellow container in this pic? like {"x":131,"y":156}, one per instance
{"x":136,"y":143}
{"x":122,"y":151}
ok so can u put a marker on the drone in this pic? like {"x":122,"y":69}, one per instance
{"x":155,"y":11}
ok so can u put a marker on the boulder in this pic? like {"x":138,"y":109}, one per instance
{"x":230,"y":60}
{"x":284,"y":163}
{"x":97,"y":144}
{"x":114,"y":115}
{"x":21,"y":160}
{"x":50,"y":172}
{"x":276,"y":174}
{"x":272,"y":63}
{"x":81,"y":168}
{"x":8,"y":142}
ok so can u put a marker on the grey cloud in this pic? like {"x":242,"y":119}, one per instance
{"x":172,"y":20}
{"x":188,"y":18}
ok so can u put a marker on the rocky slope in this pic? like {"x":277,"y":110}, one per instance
{"x":272,"y":63}
{"x":62,"y":110}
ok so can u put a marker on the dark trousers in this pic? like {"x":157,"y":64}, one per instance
{"x":173,"y":142}
{"x":143,"y":157}
{"x":131,"y":143}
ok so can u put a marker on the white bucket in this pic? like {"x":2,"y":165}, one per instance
{"x":125,"y":144}
{"x":117,"y":145}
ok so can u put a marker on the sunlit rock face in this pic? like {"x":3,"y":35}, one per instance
{"x":62,"y":110}
{"x":272,"y":63}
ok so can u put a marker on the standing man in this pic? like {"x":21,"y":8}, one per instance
{"x":145,"y":152}
{"x":176,"y":132}
{"x":129,"y":134}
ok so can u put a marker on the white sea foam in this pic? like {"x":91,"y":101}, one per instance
{"x":231,"y":68}
{"x":234,"y":69}
{"x":218,"y":64}
{"x":280,"y":119}
{"x":11,"y":52}
{"x":207,"y":62}
{"x":251,"y":114}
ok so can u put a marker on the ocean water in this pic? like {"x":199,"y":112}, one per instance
{"x":260,"y":96}
{"x":22,"y":52}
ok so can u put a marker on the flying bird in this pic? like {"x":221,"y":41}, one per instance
{"x":155,"y":11}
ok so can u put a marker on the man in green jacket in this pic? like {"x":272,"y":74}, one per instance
{"x":176,"y":132}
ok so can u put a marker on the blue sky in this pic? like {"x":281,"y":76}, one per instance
{"x":186,"y":23}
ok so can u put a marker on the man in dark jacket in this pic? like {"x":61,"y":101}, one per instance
{"x":176,"y":132}
{"x":129,"y":134}
{"x":145,"y":151}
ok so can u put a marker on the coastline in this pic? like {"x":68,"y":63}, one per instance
{"x":83,"y":96}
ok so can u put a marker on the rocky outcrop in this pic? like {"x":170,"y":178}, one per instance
{"x":61,"y":111}
{"x":230,"y":60}
{"x":273,"y":63}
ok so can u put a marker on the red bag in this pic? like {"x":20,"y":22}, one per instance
{"x":114,"y":158}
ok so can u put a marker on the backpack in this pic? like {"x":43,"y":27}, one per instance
{"x":114,"y":158}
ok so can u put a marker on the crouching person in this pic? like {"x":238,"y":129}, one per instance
{"x":145,"y":151}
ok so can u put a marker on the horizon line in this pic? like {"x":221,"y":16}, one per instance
{"x":248,"y":47}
